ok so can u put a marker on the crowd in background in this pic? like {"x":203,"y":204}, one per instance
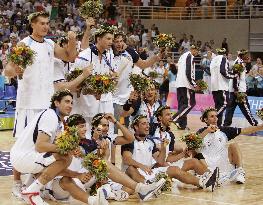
{"x":65,"y":17}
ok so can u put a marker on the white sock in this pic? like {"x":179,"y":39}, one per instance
{"x":91,"y":200}
{"x":34,"y":187}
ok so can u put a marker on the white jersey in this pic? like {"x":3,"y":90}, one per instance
{"x":241,"y":80}
{"x":159,"y":135}
{"x":47,"y":122}
{"x":220,"y":73}
{"x":61,"y":68}
{"x":186,"y":72}
{"x":125,"y":63}
{"x":215,"y":150}
{"x":143,"y":108}
{"x":87,"y":105}
{"x":36,"y":87}
{"x":142,"y":151}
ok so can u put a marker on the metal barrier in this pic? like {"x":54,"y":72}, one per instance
{"x":189,"y":13}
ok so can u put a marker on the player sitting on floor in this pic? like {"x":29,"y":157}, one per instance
{"x":141,"y":156}
{"x":215,"y":151}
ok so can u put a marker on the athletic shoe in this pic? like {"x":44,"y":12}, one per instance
{"x":117,"y":195}
{"x":33,"y":198}
{"x":16,"y":190}
{"x":209,"y":180}
{"x":150,"y":190}
{"x":241,"y":177}
{"x":100,"y":198}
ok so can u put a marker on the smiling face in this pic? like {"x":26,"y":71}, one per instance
{"x":104,"y":123}
{"x":105,"y":42}
{"x":166,"y":117}
{"x":142,"y":127}
{"x":40,"y":26}
{"x":65,"y":105}
{"x":150,"y":94}
{"x":118,"y":43}
{"x":82,"y":129}
{"x":211,"y":118}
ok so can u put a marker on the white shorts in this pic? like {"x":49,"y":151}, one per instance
{"x":31,"y":163}
{"x":60,"y":194}
{"x":22,"y":118}
{"x":179,"y":163}
{"x":155,"y":171}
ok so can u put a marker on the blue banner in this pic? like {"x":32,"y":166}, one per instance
{"x":255,"y":103}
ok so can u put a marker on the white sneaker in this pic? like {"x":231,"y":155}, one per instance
{"x":33,"y":198}
{"x":241,"y":177}
{"x":16,"y":191}
{"x":209,"y":180}
{"x":150,"y":190}
{"x":99,"y":199}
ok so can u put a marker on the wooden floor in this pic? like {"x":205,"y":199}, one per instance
{"x":250,"y":193}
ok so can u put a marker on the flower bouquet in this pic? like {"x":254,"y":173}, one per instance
{"x":153,"y":74}
{"x":91,"y":8}
{"x":168,"y":181}
{"x":260,"y":113}
{"x":164,"y":41}
{"x":139,"y":83}
{"x":98,"y":84}
{"x":97,"y":166}
{"x":73,"y":75}
{"x":192,"y":140}
{"x":241,"y":97}
{"x":238,"y":68}
{"x":68,"y":140}
{"x":202,"y":85}
{"x":22,"y":56}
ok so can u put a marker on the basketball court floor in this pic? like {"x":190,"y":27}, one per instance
{"x":251,"y":193}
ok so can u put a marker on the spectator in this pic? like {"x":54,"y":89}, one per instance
{"x":185,"y":46}
{"x":111,"y":11}
{"x":251,"y":83}
{"x":225,"y":45}
{"x":145,"y":3}
{"x":259,"y":78}
{"x":145,"y":37}
{"x":205,"y":66}
{"x":257,"y":65}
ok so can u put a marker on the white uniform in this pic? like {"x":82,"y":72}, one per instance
{"x":142,"y":152}
{"x":125,"y":63}
{"x":23,"y":154}
{"x":36,"y":88}
{"x":87,"y":105}
{"x":215,"y":149}
{"x":186,"y":72}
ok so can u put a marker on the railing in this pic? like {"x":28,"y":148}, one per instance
{"x":201,"y":12}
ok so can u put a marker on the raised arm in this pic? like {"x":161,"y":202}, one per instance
{"x":86,"y":37}
{"x":69,"y":53}
{"x":127,"y":136}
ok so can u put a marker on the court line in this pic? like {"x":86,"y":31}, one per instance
{"x":200,"y":199}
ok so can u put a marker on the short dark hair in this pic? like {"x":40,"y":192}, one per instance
{"x":96,"y":119}
{"x":75,"y":119}
{"x":160,"y":110}
{"x":205,"y":113}
{"x":57,"y":96}
{"x":136,"y":120}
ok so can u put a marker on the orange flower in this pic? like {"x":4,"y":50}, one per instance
{"x":97,"y":77}
{"x":106,"y":82}
{"x":96,"y":163}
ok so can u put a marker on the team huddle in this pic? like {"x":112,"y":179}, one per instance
{"x":47,"y":104}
